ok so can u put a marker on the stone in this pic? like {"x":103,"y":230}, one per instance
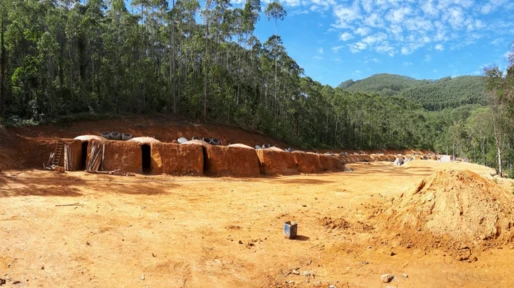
{"x":405,"y":275}
{"x":386,"y":278}
{"x":295,"y":272}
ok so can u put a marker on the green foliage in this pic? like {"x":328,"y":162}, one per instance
{"x":382,"y":84}
{"x":432,"y":95}
{"x":201,"y":60}
{"x":448,"y":93}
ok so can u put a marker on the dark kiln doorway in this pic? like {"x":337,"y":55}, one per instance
{"x":145,"y":150}
{"x":83,"y":155}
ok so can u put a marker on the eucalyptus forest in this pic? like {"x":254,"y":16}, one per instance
{"x":66,"y":59}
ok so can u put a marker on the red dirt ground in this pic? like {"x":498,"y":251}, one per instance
{"x":165,"y":129}
{"x":163,"y":231}
{"x":87,"y":230}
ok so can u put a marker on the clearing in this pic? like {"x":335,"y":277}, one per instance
{"x":86,"y":230}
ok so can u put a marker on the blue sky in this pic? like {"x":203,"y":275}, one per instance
{"x":336,"y":40}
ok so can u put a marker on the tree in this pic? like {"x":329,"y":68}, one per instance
{"x":3,"y":57}
{"x":502,"y":103}
{"x":277,"y":12}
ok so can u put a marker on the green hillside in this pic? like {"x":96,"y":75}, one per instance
{"x":382,"y":84}
{"x":448,"y":93}
{"x":432,"y":95}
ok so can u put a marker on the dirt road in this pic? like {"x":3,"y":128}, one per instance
{"x":164,"y":231}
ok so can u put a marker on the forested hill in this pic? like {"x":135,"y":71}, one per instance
{"x":430,"y":94}
{"x":200,"y":60}
{"x":382,"y":84}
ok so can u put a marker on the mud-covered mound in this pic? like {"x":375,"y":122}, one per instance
{"x":457,"y":205}
{"x":307,"y":162}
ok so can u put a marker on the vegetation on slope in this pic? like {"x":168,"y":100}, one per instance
{"x":196,"y":59}
{"x":432,"y":95}
{"x":381,"y":84}
{"x":201,"y":60}
{"x":448,"y":93}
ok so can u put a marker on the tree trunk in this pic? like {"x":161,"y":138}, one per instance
{"x":2,"y":69}
{"x":499,"y":170}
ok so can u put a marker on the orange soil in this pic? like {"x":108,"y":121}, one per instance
{"x":164,"y":231}
{"x":454,"y":209}
{"x":165,"y":129}
{"x":19,"y":146}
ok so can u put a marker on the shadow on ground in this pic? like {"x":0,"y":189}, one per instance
{"x":69,"y":185}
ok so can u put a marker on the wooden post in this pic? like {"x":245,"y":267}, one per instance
{"x":103,"y":156}
{"x":65,"y":157}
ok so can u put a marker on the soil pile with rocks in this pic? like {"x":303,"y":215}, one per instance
{"x":459,"y":208}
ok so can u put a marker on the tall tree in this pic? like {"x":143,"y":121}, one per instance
{"x":3,"y":57}
{"x":277,"y":12}
{"x":501,"y":89}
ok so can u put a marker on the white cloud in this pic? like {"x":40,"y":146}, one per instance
{"x":429,"y":8}
{"x":374,"y":20}
{"x":346,"y":14}
{"x":318,"y":57}
{"x":335,"y":49}
{"x":377,"y":38}
{"x":498,"y":42}
{"x":367,"y":5}
{"x":386,"y":48}
{"x":346,"y":36}
{"x":374,"y":60}
{"x":320,"y":50}
{"x":408,"y":24}
{"x":492,"y":6}
{"x":357,"y":47}
{"x":363,"y":31}
{"x":428,"y":58}
{"x":397,"y":15}
{"x":298,"y":12}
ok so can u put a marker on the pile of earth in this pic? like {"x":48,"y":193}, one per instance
{"x":454,"y":209}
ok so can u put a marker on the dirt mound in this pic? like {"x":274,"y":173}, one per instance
{"x":457,"y":205}
{"x":126,"y":156}
{"x":330,"y":163}
{"x":307,"y":162}
{"x":274,"y":162}
{"x":338,"y":223}
{"x":342,"y":224}
{"x":231,"y":161}
{"x":175,"y":159}
{"x":8,"y":155}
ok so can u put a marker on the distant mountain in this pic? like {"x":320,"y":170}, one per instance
{"x":431,"y":94}
{"x":383,"y":84}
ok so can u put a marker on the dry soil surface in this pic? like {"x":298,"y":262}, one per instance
{"x":84,"y":230}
